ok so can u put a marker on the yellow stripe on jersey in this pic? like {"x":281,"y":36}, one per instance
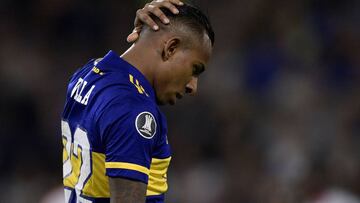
{"x":157,"y":177}
{"x":97,"y":186}
{"x":129,"y":166}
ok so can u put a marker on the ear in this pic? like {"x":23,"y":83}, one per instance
{"x":170,"y":48}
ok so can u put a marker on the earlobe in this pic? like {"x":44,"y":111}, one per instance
{"x":170,"y":48}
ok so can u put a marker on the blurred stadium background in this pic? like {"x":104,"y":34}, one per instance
{"x":276,"y":120}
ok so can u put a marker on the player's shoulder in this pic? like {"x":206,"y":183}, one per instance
{"x":127,"y":109}
{"x":82,"y":71}
{"x":119,"y":88}
{"x":131,"y":101}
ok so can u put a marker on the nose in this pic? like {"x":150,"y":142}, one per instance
{"x":191,"y":87}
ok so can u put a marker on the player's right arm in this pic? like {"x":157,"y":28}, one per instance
{"x":126,"y":191}
{"x":143,"y":16}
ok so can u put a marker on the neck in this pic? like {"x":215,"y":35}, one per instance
{"x":141,"y":59}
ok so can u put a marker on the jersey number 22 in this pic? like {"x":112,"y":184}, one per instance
{"x":76,"y":160}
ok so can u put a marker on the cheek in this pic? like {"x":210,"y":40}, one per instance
{"x":180,"y":78}
{"x":177,"y":75}
{"x":163,"y":83}
{"x":173,"y":77}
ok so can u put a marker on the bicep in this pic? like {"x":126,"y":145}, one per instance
{"x":126,"y":191}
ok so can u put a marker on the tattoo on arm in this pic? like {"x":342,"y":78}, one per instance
{"x":126,"y":191}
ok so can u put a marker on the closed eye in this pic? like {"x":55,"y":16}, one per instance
{"x":198,"y":69}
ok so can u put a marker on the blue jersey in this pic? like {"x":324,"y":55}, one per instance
{"x":112,"y":127}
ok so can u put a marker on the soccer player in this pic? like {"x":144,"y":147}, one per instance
{"x":114,"y":135}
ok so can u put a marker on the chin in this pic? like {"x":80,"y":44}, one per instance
{"x":164,"y":101}
{"x":160,"y":102}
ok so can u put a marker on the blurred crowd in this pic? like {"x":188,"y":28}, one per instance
{"x":276,"y":118}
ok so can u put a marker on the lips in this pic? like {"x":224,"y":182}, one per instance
{"x":179,"y":96}
{"x":173,"y":99}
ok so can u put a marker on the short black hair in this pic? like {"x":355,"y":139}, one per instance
{"x":192,"y":17}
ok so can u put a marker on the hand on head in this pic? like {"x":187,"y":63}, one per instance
{"x":152,"y":8}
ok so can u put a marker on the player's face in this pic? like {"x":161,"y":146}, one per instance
{"x":181,"y":73}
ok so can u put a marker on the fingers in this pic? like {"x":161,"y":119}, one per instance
{"x":158,"y":13}
{"x":142,"y":16}
{"x":165,"y":4}
{"x":132,"y":37}
{"x":177,"y":2}
{"x":154,"y":8}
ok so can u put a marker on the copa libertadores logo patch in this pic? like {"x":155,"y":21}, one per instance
{"x":145,"y":124}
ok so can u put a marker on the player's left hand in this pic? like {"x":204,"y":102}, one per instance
{"x":143,"y":16}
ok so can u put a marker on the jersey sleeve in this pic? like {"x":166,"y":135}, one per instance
{"x":128,"y":129}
